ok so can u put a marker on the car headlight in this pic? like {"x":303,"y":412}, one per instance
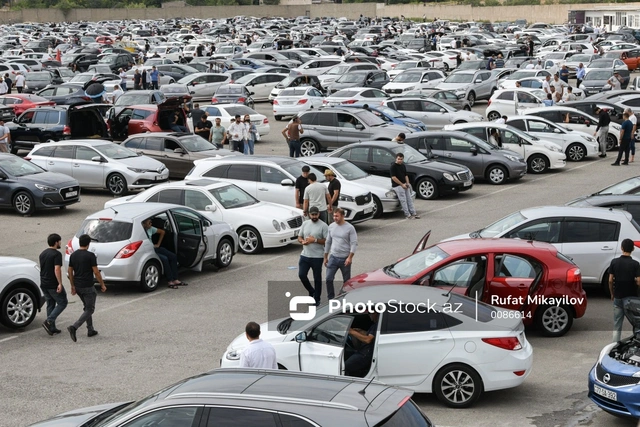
{"x":283,"y":225}
{"x":233,"y":355}
{"x":553,"y":148}
{"x":589,"y":138}
{"x":408,"y":88}
{"x":345,"y":198}
{"x":276,"y":225}
{"x":512,"y":158}
{"x":448,"y":177}
{"x":136,"y":170}
{"x":45,"y":187}
{"x":391,"y":194}
{"x":460,"y":92}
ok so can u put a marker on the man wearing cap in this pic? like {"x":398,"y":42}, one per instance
{"x":614,"y":81}
{"x":312,"y":236}
{"x":334,"y":190}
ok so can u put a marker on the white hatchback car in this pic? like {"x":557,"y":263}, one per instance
{"x":455,"y":355}
{"x":99,"y":164}
{"x":591,"y":237}
{"x":258,"y":224}
{"x":294,"y":100}
{"x":20,"y":294}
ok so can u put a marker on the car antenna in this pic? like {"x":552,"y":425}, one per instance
{"x":450,"y":290}
{"x":113,"y":209}
{"x":363,"y":391}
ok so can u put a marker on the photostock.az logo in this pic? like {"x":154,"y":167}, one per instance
{"x":310,"y":302}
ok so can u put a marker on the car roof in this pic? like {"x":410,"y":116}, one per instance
{"x":598,"y":200}
{"x":455,"y":247}
{"x":574,"y":211}
{"x":90,"y":142}
{"x":278,"y":160}
{"x":452,"y":132}
{"x":174,"y":134}
{"x":133,"y":211}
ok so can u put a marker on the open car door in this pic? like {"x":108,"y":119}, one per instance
{"x":423,"y":242}
{"x":321,"y":351}
{"x":191,"y":243}
{"x":511,"y":280}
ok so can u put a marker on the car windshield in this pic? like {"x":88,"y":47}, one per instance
{"x":600,"y":64}
{"x":133,"y":99}
{"x":232,"y":197}
{"x":108,"y":59}
{"x":521,"y":74}
{"x":196,"y":143}
{"x":15,"y":166}
{"x":245,"y":79}
{"x":81,"y":78}
{"x":416,"y":263}
{"x":406,"y":65}
{"x":115,"y":151}
{"x":293,"y":92}
{"x":229,"y":90}
{"x":42,"y":76}
{"x":175,"y":89}
{"x":555,"y":55}
{"x":390,"y":112}
{"x":581,"y":58}
{"x":598,"y":75}
{"x":408,"y":77}
{"x":411,"y":155}
{"x":459,"y":78}
{"x":351,"y":78}
{"x":350,"y":171}
{"x":105,"y":230}
{"x":495,"y":229}
{"x":623,"y":187}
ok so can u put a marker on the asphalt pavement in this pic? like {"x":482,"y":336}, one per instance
{"x":148,"y":341}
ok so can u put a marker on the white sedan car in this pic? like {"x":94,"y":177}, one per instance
{"x":258,"y":224}
{"x":451,"y":354}
{"x":261,"y":84}
{"x":294,"y":100}
{"x":356,"y":95}
{"x":227,"y":112}
{"x":414,"y":79}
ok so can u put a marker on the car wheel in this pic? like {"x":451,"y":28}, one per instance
{"x":538,"y":163}
{"x":576,"y":152}
{"x":377,"y":208}
{"x":309,"y":147}
{"x":18,"y":308}
{"x":117,"y":185}
{"x":278,"y":118}
{"x":554,"y":320}
{"x":224,"y":253}
{"x":457,"y":385}
{"x":150,"y":276}
{"x":493,"y":116}
{"x":497,"y":174}
{"x":249,"y":240}
{"x":611,"y":142}
{"x":23,"y":203}
{"x":427,"y":189}
{"x":471,"y":98}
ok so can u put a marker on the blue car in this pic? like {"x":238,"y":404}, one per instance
{"x":390,"y":115}
{"x":614,"y":381}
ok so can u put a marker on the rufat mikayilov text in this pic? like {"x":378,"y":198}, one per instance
{"x":535,"y":299}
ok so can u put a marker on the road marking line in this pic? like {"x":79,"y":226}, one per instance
{"x":9,"y":338}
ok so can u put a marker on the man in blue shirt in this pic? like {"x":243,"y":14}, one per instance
{"x":154,"y":77}
{"x":626,"y":132}
{"x":580,"y":73}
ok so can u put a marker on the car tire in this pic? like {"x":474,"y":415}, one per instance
{"x":538,"y":163}
{"x":117,"y":185}
{"x":496,"y":174}
{"x":23,"y":203}
{"x":457,"y":385}
{"x":493,"y":116}
{"x":172,"y":81}
{"x":150,"y":276}
{"x":459,"y":122}
{"x":377,"y":208}
{"x":471,"y":98}
{"x":308,"y":147}
{"x":576,"y":152}
{"x":18,"y":308}
{"x":224,"y":253}
{"x":611,"y":142}
{"x":278,"y":118}
{"x":249,"y":240}
{"x":427,"y":189}
{"x":554,"y":320}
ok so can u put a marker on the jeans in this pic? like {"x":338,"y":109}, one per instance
{"x":404,"y":197}
{"x":294,"y":148}
{"x":618,"y":317}
{"x":333,"y":265}
{"x":123,"y":85}
{"x":88,"y":298}
{"x":154,"y":85}
{"x":178,"y":128}
{"x":237,"y":146}
{"x":248,"y":146}
{"x":602,"y":139}
{"x":169,"y":262}
{"x":624,"y":148}
{"x":56,"y":303}
{"x":315,"y":264}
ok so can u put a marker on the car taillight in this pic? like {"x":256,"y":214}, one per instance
{"x":231,"y":82}
{"x":275,"y":102}
{"x":393,"y":66}
{"x":265,"y":121}
{"x":489,"y":102}
{"x":324,"y":101}
{"x":241,"y":100}
{"x":68,"y":250}
{"x":574,"y":276}
{"x":506,"y":343}
{"x":214,"y":100}
{"x":351,"y":101}
{"x":636,"y":243}
{"x":302,"y":101}
{"x":129,"y":250}
{"x":66,"y":130}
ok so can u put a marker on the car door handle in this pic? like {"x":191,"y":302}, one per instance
{"x":449,"y":155}
{"x":51,"y":163}
{"x":263,"y":189}
{"x":606,"y":248}
{"x":436,"y":339}
{"x":75,"y":165}
{"x":331,"y":356}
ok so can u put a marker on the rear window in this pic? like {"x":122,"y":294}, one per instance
{"x":106,"y":231}
{"x":407,"y":416}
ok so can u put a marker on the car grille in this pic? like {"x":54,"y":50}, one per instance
{"x":295,"y":222}
{"x":393,"y":90}
{"x":464,"y":176}
{"x":614,"y":379}
{"x":64,"y":192}
{"x":363,"y":200}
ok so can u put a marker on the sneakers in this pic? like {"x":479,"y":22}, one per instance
{"x":48,"y":327}
{"x":72,"y":333}
{"x":92,"y":333}
{"x":615,"y":164}
{"x":408,"y":217}
{"x":57,"y":331}
{"x":602,"y":156}
{"x":416,"y":216}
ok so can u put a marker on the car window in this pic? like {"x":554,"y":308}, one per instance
{"x":85,"y":153}
{"x":553,"y":116}
{"x":359,"y":154}
{"x":47,"y":117}
{"x":106,"y":230}
{"x":180,"y":416}
{"x":458,"y":145}
{"x":196,"y":200}
{"x":578,"y":231}
{"x":518,"y":124}
{"x":382,"y":156}
{"x":27,"y":117}
{"x":172,"y":195}
{"x":234,"y":417}
{"x":541,"y":231}
{"x":431,"y":107}
{"x":506,"y":95}
{"x":293,"y":421}
{"x":271,"y":175}
{"x":404,"y":322}
{"x":409,"y":105}
{"x":434,"y":142}
{"x":154,"y":144}
{"x":45,"y":151}
{"x":513,"y":266}
{"x":347,"y":121}
{"x":64,"y":152}
{"x":462,"y":274}
{"x":332,"y":331}
{"x":217,"y":172}
{"x":134,"y":143}
{"x":139,"y":114}
{"x":527,"y":98}
{"x":187,"y":222}
{"x":535,"y":126}
{"x":170,"y":145}
{"x":243,"y":172}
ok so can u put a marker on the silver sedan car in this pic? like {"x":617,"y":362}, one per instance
{"x":434,"y":113}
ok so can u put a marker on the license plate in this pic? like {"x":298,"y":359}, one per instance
{"x":611,"y":395}
{"x":71,"y":194}
{"x":468,"y":183}
{"x":368,"y":210}
{"x":295,"y":233}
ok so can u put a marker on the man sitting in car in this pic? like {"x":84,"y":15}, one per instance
{"x":359,"y":363}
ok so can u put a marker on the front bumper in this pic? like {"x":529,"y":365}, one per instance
{"x":355,"y":213}
{"x":453,"y":187}
{"x":280,"y":238}
{"x":557,"y":161}
{"x":64,"y":197}
{"x":622,"y":401}
{"x":147,"y":179}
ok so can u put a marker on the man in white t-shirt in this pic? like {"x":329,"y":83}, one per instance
{"x":633,"y":119}
{"x":3,"y":87}
{"x":546,"y":87}
{"x":258,"y":354}
{"x":20,"y":82}
{"x":316,"y":194}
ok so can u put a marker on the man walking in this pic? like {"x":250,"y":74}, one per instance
{"x":632,"y":145}
{"x":402,"y":187}
{"x":51,"y":283}
{"x":312,"y":236}
{"x":292,"y":134}
{"x":137,"y":80}
{"x":624,"y":279}
{"x":154,"y":77}
{"x":258,"y":354}
{"x":236,"y":132}
{"x":218,"y":135}
{"x":339,"y":249}
{"x":602,"y":130}
{"x":580,"y":73}
{"x":614,"y":81}
{"x":626,"y":132}
{"x":317,"y":195}
{"x":334,"y":190}
{"x":83,"y":266}
{"x":20,"y":82}
{"x":302,"y":182}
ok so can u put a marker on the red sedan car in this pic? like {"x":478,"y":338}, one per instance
{"x":543,"y":286}
{"x":21,"y":102}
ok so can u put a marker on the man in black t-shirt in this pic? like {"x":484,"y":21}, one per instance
{"x":51,"y":283}
{"x":334,"y":190}
{"x":401,"y":185}
{"x":624,"y":279}
{"x":83,"y":266}
{"x":359,"y":363}
{"x":301,"y":184}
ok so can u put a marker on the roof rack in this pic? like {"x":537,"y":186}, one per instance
{"x":265,"y":398}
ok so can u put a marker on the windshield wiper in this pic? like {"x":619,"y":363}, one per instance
{"x":388,"y":270}
{"x":284,"y":326}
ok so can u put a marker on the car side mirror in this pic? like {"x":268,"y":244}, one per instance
{"x":425,"y":281}
{"x":442,"y":110}
{"x":478,"y":80}
{"x":252,"y":93}
{"x":211,"y":208}
{"x":474,"y":150}
{"x":359,"y":126}
{"x":301,"y":337}
{"x":97,"y":159}
{"x":178,"y":151}
{"x":286,"y":182}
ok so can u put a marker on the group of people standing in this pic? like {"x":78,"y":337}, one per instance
{"x":241,"y":134}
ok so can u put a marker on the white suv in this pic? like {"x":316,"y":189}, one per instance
{"x":20,"y":294}
{"x":272,"y":179}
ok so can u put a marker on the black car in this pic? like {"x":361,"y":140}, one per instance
{"x":65,"y":94}
{"x":36,"y":81}
{"x":259,"y":398}
{"x":26,"y":187}
{"x":375,"y":79}
{"x":429,"y":178}
{"x":116,"y":61}
{"x":80,"y":61}
{"x":626,"y":202}
{"x":38,"y":125}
